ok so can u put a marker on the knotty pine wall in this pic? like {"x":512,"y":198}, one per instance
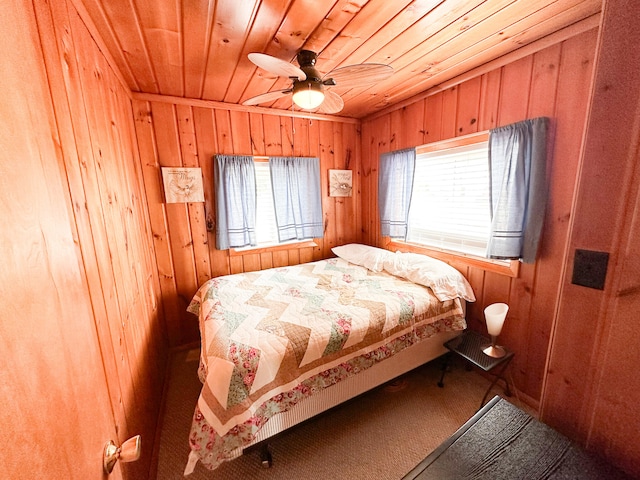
{"x":592,"y":389}
{"x":84,"y":343}
{"x":553,"y":82}
{"x":173,"y":133}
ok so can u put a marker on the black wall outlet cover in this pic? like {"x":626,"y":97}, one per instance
{"x":590,"y":268}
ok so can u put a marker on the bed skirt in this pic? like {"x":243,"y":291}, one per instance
{"x":351,"y":387}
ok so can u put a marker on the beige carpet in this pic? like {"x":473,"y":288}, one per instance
{"x":381,"y":435}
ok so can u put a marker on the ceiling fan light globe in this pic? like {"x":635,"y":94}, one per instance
{"x":308,"y":95}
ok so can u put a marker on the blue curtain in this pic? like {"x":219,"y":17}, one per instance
{"x":518,"y":190}
{"x":235,"y":184}
{"x":395,"y":184}
{"x":295,"y":182}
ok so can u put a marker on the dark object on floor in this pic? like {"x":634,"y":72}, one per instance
{"x":502,"y":442}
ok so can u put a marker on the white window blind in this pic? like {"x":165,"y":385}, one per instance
{"x":450,"y":201}
{"x":266,"y":230}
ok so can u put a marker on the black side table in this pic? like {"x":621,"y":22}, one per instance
{"x":469,"y":346}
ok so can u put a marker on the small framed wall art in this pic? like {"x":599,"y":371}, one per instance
{"x":182,"y":184}
{"x":340,"y":183}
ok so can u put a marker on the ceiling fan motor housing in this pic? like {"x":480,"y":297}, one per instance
{"x":307,"y":61}
{"x":306,"y":58}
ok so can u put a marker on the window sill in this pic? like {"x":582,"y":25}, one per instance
{"x":233,"y":252}
{"x":508,"y":268}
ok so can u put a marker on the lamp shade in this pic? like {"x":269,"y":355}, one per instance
{"x":495,"y":315}
{"x":308,"y":95}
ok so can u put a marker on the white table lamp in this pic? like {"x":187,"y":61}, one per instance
{"x":495,"y":315}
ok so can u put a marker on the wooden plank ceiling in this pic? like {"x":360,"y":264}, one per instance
{"x":198,"y":48}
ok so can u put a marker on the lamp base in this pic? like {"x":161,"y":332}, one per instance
{"x":494,"y":351}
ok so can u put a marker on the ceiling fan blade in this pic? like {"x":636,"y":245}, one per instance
{"x":332,"y":103}
{"x":277,"y":66}
{"x":359,"y":75}
{"x":267,"y":97}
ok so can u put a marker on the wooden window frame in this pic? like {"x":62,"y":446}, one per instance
{"x":233,"y":252}
{"x":509,"y":268}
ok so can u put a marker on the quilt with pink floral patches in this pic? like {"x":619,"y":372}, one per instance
{"x":273,"y":337}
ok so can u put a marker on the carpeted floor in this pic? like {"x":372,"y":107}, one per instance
{"x":382,"y":434}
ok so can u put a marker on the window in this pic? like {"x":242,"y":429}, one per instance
{"x":292,"y":196}
{"x":266,"y":229}
{"x":450,"y":200}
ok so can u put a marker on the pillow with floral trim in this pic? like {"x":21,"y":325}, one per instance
{"x":445,"y":281}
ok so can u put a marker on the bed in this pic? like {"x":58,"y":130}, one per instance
{"x":282,"y":345}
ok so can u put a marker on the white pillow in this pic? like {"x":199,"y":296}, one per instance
{"x":364,"y":255}
{"x":445,"y":281}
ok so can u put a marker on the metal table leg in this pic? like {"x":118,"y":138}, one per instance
{"x":445,"y":365}
{"x":498,"y":376}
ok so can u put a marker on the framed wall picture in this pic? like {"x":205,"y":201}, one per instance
{"x":340,"y":183}
{"x":182,"y":184}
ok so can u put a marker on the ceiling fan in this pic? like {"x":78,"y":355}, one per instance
{"x":311,"y":90}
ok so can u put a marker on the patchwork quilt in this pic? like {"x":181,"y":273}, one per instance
{"x":273,"y":337}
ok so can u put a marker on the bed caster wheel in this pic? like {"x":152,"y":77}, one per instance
{"x":266,"y":460}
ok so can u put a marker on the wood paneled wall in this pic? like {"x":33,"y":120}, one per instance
{"x":553,"y":82}
{"x":182,"y":134}
{"x":55,"y":414}
{"x":82,"y":322}
{"x":592,"y":389}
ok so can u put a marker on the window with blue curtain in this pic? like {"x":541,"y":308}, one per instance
{"x":518,"y":188}
{"x":296,"y":194}
{"x":395,"y":184}
{"x":235,"y":186}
